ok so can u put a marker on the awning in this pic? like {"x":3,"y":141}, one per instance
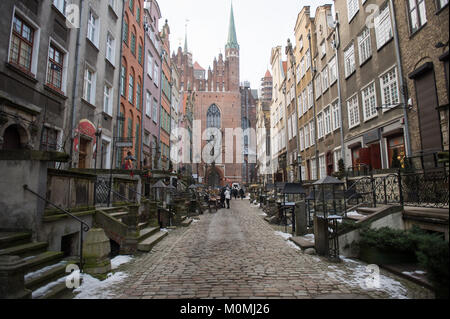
{"x":293,"y":188}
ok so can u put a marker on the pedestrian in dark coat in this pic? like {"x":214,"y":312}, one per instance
{"x":235,"y":193}
{"x":241,"y":193}
{"x":222,"y":198}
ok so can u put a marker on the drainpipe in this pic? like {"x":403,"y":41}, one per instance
{"x":160,"y":105}
{"x":337,"y":43}
{"x":313,"y":72}
{"x":402,"y":84}
{"x":75,"y":85}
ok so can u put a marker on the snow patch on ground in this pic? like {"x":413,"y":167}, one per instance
{"x":120,"y":260}
{"x":284,"y":235}
{"x":43,"y":290}
{"x":357,"y":274}
{"x":93,"y":288}
{"x":290,"y":243}
{"x":263,"y":214}
{"x":412,"y":273}
{"x":355,"y":214}
{"x":36,"y":273}
{"x":309,"y":237}
{"x":164,"y":230}
{"x":195,"y":221}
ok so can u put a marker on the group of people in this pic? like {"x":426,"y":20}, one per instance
{"x":227,"y":193}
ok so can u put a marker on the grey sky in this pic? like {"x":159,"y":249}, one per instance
{"x":260,"y":25}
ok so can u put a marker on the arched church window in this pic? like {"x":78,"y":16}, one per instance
{"x":213,"y":117}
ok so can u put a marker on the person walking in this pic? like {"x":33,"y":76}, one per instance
{"x":228,"y":197}
{"x":241,"y":193}
{"x":222,"y":198}
{"x":235,"y":193}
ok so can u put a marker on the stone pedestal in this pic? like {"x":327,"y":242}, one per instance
{"x":130,"y":243}
{"x":96,"y":248}
{"x":179,"y":210}
{"x":12,"y":282}
{"x":300,"y":219}
{"x":321,"y":236}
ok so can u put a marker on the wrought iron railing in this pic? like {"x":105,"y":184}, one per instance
{"x":84,"y":227}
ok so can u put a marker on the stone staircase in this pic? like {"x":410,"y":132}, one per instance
{"x":116,"y":229}
{"x":45,"y":271}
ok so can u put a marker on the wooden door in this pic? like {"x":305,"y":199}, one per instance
{"x":375,"y":156}
{"x":83,"y":153}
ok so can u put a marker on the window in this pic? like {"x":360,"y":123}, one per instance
{"x":349,"y":60}
{"x":336,"y":115}
{"x":60,"y":5}
{"x":133,"y":44}
{"x":55,"y":67}
{"x":110,"y":48}
{"x":138,"y":14}
{"x":365,"y":48}
{"x":290,"y":128}
{"x":310,"y":95}
{"x":107,"y":99}
{"x":300,"y":106}
{"x":337,"y":155}
{"x":417,"y":14}
{"x":307,"y":138}
{"x":89,"y":86}
{"x":213,"y":117}
{"x":318,"y":86}
{"x":389,"y":89}
{"x":322,"y":166}
{"x":298,"y":73}
{"x":327,"y":120}
{"x":140,"y":54}
{"x":312,"y":132}
{"x":155,"y":111}
{"x":156,"y":75}
{"x":323,"y":48}
{"x":325,"y":83}
{"x":112,"y":4}
{"x":333,"y":70}
{"x":352,"y":8}
{"x":300,"y":43}
{"x":148,"y":104}
{"x":125,"y":31}
{"x":369,"y":102}
{"x":22,"y":41}
{"x":131,"y":6}
{"x":150,"y":65}
{"x":313,"y":169}
{"x":131,"y":89}
{"x":308,"y":60}
{"x":50,"y":139}
{"x":294,"y":126}
{"x":441,"y":4}
{"x":122,"y":80}
{"x":146,"y":138}
{"x":138,"y":95}
{"x":353,"y":112}
{"x":303,"y":67}
{"x":93,"y":28}
{"x":302,"y":140}
{"x":320,"y":127}
{"x":305,"y":101}
{"x":383,"y":29}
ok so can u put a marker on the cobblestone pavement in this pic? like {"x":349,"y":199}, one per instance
{"x":236,"y":254}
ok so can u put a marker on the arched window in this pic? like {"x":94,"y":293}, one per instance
{"x":213,"y":117}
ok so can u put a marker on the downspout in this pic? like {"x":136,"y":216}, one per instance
{"x":75,"y":86}
{"x":160,"y":105}
{"x":402,"y":84}
{"x":337,"y":43}
{"x":314,"y":72}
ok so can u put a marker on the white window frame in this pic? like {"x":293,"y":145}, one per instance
{"x":353,"y":112}
{"x":383,"y":27}
{"x":108,"y":97}
{"x":65,"y":64}
{"x":336,"y":111}
{"x":95,"y":25}
{"x":349,"y":60}
{"x":385,"y":106}
{"x":369,"y":98}
{"x":320,"y":125}
{"x":364,"y":46}
{"x":352,"y":9}
{"x":92,"y":82}
{"x":325,"y":82}
{"x":322,"y":166}
{"x":327,"y":120}
{"x":110,"y":47}
{"x":333,"y":71}
{"x":61,"y":5}
{"x":337,"y":155}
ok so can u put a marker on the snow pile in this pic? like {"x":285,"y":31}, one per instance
{"x":284,"y":235}
{"x":309,"y":237}
{"x":37,"y":273}
{"x":356,"y":274}
{"x":414,"y":273}
{"x":92,"y":288}
{"x":120,"y":260}
{"x":354,"y":214}
{"x":43,"y":290}
{"x":290,"y":243}
{"x":262,"y":214}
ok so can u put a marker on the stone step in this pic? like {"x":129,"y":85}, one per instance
{"x":42,"y":260}
{"x":150,"y":242}
{"x":147,"y":232}
{"x":118,"y":215}
{"x":51,"y":290}
{"x":141,"y":226}
{"x":186,"y":222}
{"x":302,"y":242}
{"x":10,"y":239}
{"x":24,"y":250}
{"x":45,"y":275}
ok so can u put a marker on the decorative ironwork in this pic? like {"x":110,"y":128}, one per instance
{"x":102,"y":191}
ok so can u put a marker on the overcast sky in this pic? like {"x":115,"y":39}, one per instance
{"x":260,"y":25}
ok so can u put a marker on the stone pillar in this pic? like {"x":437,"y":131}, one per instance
{"x":300,"y":219}
{"x":130,"y":243}
{"x":12,"y":282}
{"x":153,"y":213}
{"x":96,"y":248}
{"x":321,"y":235}
{"x":179,"y":210}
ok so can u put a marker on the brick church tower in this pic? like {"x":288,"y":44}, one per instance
{"x":217,"y":104}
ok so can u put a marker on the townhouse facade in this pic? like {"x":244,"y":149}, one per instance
{"x":166,"y":96}
{"x":152,"y":91}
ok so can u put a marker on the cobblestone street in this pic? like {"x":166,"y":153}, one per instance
{"x":236,"y":254}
